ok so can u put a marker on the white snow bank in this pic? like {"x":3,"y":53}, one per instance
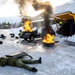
{"x":71,"y":38}
{"x":16,"y":30}
{"x":54,"y":27}
{"x":34,"y":28}
{"x":39,"y":29}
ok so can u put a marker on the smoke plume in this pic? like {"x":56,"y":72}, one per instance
{"x":22,"y":5}
{"x":39,"y":5}
{"x":2,"y":2}
{"x":47,"y":14}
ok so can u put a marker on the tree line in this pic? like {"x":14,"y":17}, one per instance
{"x":9,"y":25}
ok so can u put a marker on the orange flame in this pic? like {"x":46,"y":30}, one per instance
{"x":43,"y":1}
{"x":48,"y":39}
{"x":27,"y":27}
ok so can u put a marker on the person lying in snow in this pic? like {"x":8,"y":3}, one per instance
{"x":10,"y":61}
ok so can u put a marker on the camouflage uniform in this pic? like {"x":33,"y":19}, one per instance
{"x":19,"y":63}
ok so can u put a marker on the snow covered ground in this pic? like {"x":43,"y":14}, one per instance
{"x":57,"y":60}
{"x":71,"y":38}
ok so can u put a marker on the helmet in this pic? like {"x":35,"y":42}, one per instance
{"x":60,"y":22}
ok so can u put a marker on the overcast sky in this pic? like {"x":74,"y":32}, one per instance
{"x":9,"y":8}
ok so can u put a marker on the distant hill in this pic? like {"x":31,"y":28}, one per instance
{"x":14,"y":19}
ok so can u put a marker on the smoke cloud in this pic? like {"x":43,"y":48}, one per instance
{"x":2,"y":2}
{"x":39,"y":5}
{"x":23,"y":5}
{"x":47,"y":14}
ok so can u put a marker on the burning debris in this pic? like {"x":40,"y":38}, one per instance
{"x":28,"y":34}
{"x":49,"y":33}
{"x":26,"y":26}
{"x":48,"y":38}
{"x":26,"y":6}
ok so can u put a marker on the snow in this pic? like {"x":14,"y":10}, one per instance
{"x":57,"y":60}
{"x":71,"y":38}
{"x":69,"y":6}
{"x":16,"y":30}
{"x":54,"y":27}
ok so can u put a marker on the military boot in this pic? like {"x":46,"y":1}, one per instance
{"x":39,"y":61}
{"x":34,"y":69}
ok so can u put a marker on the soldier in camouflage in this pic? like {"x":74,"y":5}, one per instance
{"x":19,"y":63}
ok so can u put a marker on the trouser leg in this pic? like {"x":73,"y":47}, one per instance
{"x":20,"y":64}
{"x":32,"y":61}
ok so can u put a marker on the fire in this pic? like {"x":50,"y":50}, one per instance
{"x":48,"y":39}
{"x":43,"y":1}
{"x":27,"y":27}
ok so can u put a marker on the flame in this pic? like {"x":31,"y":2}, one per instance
{"x":43,"y":1}
{"x":27,"y":27}
{"x":48,"y":39}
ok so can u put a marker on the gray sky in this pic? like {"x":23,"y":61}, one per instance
{"x":10,"y":8}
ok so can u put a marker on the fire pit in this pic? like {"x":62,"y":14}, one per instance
{"x":49,"y":44}
{"x":48,"y":40}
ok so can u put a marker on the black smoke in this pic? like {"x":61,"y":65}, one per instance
{"x":37,"y":5}
{"x":47,"y":15}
